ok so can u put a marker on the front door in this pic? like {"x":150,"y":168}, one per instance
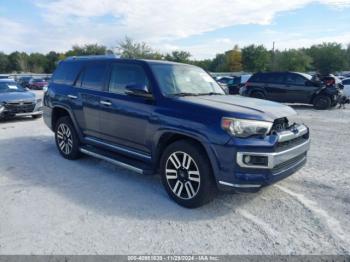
{"x":124,"y":119}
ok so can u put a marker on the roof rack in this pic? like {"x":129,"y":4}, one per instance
{"x":92,"y":57}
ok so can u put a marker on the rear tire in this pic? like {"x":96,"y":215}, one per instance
{"x":257,"y":94}
{"x":187,"y":175}
{"x":67,"y":139}
{"x":322,"y":102}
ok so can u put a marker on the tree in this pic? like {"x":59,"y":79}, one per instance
{"x":128,"y":48}
{"x":219,"y":63}
{"x":255,"y":58}
{"x":292,"y":60}
{"x":91,"y":49}
{"x":233,"y":60}
{"x":37,"y":62}
{"x":52,"y":60}
{"x":4,"y":63}
{"x":178,"y":56}
{"x":327,"y":57}
{"x":17,"y":62}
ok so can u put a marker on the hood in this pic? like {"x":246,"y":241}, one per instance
{"x":16,"y":96}
{"x":240,"y":106}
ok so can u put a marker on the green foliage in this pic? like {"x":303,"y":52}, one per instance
{"x":324,"y":58}
{"x":292,"y":60}
{"x":255,"y":58}
{"x":128,"y":48}
{"x":327,"y":57}
{"x":178,"y":56}
{"x":92,"y":49}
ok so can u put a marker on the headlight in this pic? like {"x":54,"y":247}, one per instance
{"x":245,"y":128}
{"x":2,"y":108}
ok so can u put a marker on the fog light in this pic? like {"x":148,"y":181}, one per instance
{"x":246,"y":160}
{"x":255,"y":160}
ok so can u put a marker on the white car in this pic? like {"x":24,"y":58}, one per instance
{"x":346,"y":83}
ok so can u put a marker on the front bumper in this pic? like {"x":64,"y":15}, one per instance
{"x":283,"y":154}
{"x":13,"y":110}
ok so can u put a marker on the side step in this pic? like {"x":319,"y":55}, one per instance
{"x":116,"y":159}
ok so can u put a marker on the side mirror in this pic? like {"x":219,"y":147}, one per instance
{"x":138,"y":90}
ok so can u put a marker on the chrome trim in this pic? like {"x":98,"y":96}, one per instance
{"x":118,"y":148}
{"x":289,"y":135}
{"x":290,"y":167}
{"x":274,"y":158}
{"x":106,"y":103}
{"x":111,"y":160}
{"x":239,"y":185}
{"x":72,"y":96}
{"x":30,"y":113}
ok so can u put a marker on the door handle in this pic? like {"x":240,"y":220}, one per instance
{"x":72,"y":96}
{"x":105,"y":103}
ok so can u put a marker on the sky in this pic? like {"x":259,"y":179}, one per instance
{"x":202,"y":27}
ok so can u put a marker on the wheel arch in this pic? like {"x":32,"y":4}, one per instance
{"x":59,"y":111}
{"x":168,"y":137}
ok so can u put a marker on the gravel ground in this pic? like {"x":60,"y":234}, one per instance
{"x":50,"y":205}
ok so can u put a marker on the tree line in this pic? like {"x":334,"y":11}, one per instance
{"x":323,"y":58}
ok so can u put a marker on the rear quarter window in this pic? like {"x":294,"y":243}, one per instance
{"x":66,"y":73}
{"x":93,"y":76}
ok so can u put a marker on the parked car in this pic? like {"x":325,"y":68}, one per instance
{"x":37,"y":83}
{"x":172,"y":119}
{"x":291,"y":87}
{"x":237,"y":82}
{"x":17,"y":101}
{"x":346,"y":84}
{"x":24,"y":81}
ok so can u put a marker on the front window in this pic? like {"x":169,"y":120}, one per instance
{"x":182,"y":80}
{"x":6,"y":87}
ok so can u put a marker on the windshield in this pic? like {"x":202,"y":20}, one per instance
{"x":38,"y":80}
{"x":6,"y":87}
{"x":307,"y":76}
{"x":185,"y":80}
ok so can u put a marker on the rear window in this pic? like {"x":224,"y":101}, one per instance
{"x":66,"y":73}
{"x":259,"y":77}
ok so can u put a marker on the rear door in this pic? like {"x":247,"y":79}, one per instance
{"x":125,"y":118}
{"x":275,"y":86}
{"x":89,"y":87}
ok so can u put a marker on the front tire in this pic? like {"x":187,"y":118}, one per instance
{"x":186,"y":174}
{"x":67,"y":140}
{"x":322,"y":102}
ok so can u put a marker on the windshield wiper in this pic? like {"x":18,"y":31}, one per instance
{"x":209,"y":94}
{"x":185,"y":94}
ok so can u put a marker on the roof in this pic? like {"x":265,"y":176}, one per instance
{"x":6,"y":80}
{"x":114,"y":57}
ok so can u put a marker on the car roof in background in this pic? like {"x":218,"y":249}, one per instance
{"x":7,"y":80}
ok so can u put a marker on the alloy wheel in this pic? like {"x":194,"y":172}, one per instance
{"x":64,"y":139}
{"x":182,"y":175}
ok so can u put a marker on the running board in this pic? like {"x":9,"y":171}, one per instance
{"x":111,"y":160}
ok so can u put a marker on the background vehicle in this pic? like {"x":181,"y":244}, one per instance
{"x":346,"y":84}
{"x":173,"y":119}
{"x":291,"y":87}
{"x":237,"y":82}
{"x":37,"y":83}
{"x":16,"y":101}
{"x":24,"y":81}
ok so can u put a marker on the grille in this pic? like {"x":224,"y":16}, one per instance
{"x":20,"y":107}
{"x":281,"y":146}
{"x":288,"y":163}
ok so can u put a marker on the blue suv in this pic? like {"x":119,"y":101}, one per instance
{"x":159,"y":117}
